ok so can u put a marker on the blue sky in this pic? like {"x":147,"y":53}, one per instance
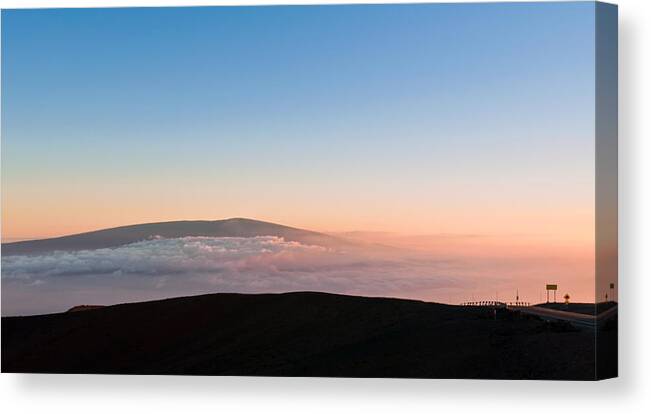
{"x":385,"y":117}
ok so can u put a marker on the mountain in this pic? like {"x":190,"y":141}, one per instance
{"x":118,"y":236}
{"x":298,"y":334}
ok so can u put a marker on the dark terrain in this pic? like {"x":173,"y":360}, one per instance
{"x":299,"y":334}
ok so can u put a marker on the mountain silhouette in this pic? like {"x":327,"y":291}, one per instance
{"x":118,"y":236}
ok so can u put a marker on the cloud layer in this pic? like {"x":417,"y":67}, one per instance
{"x":162,"y":257}
{"x":169,"y":267}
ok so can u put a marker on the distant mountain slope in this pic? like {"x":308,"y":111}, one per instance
{"x":235,"y":227}
{"x":296,"y":334}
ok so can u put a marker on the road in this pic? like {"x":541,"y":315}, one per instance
{"x":576,"y":319}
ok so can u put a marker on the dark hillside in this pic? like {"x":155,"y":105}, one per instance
{"x":296,"y":334}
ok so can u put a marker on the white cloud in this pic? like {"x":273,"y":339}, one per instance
{"x":160,"y":257}
{"x":193,"y":265}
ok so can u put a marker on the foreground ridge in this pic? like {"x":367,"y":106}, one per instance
{"x":298,"y":334}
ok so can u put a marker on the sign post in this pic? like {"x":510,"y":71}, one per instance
{"x":554,"y":288}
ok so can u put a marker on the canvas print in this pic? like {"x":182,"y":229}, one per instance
{"x":395,"y":190}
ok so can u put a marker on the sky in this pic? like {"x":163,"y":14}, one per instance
{"x":422,"y":118}
{"x":447,"y":119}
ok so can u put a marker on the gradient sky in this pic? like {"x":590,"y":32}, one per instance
{"x":469,"y":119}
